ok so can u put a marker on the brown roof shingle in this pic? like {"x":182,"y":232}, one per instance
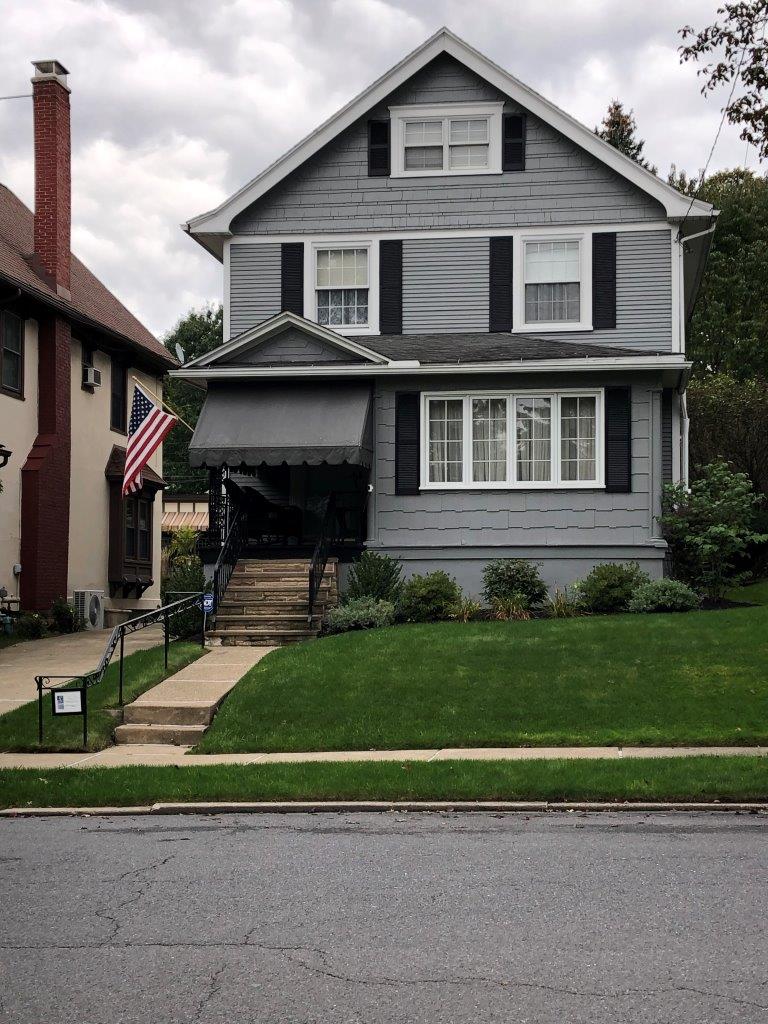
{"x":91,"y":300}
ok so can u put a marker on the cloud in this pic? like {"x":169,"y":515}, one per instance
{"x":175,"y":105}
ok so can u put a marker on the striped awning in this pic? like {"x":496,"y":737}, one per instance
{"x":192,"y":520}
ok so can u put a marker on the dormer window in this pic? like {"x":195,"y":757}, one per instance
{"x":458,"y":138}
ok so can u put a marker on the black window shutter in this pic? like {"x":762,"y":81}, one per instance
{"x":618,"y":440}
{"x":407,"y":413}
{"x":500,"y":285}
{"x":513,"y":143}
{"x":378,"y":149}
{"x":391,"y":286}
{"x":604,"y":279}
{"x":292,"y":277}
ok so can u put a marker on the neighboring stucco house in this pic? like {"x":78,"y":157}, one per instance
{"x":69,"y":351}
{"x":457,"y":306}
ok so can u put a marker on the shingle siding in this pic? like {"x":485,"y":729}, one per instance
{"x":561,"y":184}
{"x":445,"y":285}
{"x":254,"y":284}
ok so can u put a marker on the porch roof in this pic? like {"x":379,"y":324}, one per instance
{"x":272,"y":424}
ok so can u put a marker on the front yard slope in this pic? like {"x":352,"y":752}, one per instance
{"x":698,"y":678}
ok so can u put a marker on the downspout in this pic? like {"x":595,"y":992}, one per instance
{"x":684,"y":425}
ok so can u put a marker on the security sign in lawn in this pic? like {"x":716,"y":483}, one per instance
{"x":207,"y":603}
{"x":67,"y":702}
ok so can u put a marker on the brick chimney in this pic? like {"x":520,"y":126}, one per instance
{"x":53,"y":185}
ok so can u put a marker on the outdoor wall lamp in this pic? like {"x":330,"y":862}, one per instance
{"x":4,"y":456}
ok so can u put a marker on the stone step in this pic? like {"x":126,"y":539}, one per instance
{"x":247,"y":617}
{"x":247,"y":640}
{"x":170,"y":713}
{"x":181,"y":735}
{"x":269,"y":562}
{"x":271,"y":635}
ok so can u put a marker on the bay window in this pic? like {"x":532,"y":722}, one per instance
{"x":527,"y":440}
{"x":341,"y":287}
{"x":552,"y":281}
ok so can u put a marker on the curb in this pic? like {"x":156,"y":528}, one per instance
{"x":358,"y":806}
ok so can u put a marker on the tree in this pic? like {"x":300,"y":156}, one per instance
{"x":730,"y":322}
{"x":735,"y":53}
{"x":619,"y":129}
{"x":200,"y":331}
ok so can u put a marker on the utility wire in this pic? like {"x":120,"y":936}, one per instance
{"x":19,"y":96}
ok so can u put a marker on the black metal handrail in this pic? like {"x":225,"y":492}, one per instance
{"x":236,"y":540}
{"x":320,"y":554}
{"x":117,"y":638}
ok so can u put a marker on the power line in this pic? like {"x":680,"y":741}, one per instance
{"x":18,"y":96}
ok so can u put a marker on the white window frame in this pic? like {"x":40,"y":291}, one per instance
{"x":445,"y":112}
{"x":512,"y":483}
{"x":584,"y":323}
{"x":310,"y":282}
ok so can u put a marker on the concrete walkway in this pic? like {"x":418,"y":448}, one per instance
{"x":75,"y":653}
{"x":155,"y":754}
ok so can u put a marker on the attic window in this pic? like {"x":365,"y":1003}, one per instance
{"x":458,"y":138}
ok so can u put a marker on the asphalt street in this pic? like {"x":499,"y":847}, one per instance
{"x":385,"y":917}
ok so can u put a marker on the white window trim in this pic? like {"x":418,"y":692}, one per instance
{"x":519,"y":325}
{"x":445,"y":112}
{"x":511,"y":483}
{"x":310,"y":289}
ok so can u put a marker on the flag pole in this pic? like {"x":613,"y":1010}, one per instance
{"x":162,"y":402}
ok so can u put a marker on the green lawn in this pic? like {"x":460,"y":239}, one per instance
{"x":684,"y":778}
{"x":754,"y":593}
{"x":143,"y":669}
{"x":698,"y":678}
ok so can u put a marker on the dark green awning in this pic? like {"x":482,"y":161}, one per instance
{"x":294,"y":424}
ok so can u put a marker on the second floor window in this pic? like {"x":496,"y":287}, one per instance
{"x":552,"y":282}
{"x":341,"y":283}
{"x":11,"y":354}
{"x":119,"y":396}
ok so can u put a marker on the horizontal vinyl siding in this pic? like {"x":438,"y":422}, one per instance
{"x":561,"y":184}
{"x":537,"y":518}
{"x":445,"y":285}
{"x":254,"y":284}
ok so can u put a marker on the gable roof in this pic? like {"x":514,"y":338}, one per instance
{"x":91,"y":303}
{"x":268,"y":329}
{"x":205,"y":227}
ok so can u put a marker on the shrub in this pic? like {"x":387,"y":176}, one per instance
{"x":359,"y":613}
{"x":31,"y":627}
{"x":709,"y":527}
{"x":376,"y":576}
{"x":507,"y":577}
{"x":182,"y":546}
{"x":430,"y":598}
{"x":663,"y":596}
{"x":562,"y":605}
{"x":64,"y":617}
{"x":609,"y":587}
{"x":185,"y":576}
{"x":468,"y":610}
{"x":515,"y":606}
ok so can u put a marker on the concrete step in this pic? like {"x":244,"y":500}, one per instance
{"x":170,"y":713}
{"x":181,"y":735}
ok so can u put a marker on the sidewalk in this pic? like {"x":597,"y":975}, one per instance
{"x":73,"y":652}
{"x":156,"y":754}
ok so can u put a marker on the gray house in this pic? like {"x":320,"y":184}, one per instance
{"x":457,"y":316}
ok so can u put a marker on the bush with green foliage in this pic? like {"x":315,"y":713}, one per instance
{"x":709,"y":527}
{"x":64,"y":617}
{"x":186,"y":576}
{"x":664,"y":596}
{"x":507,"y":578}
{"x":31,"y":627}
{"x":377,"y":576}
{"x":609,"y":587}
{"x":359,"y":613}
{"x":430,"y":598}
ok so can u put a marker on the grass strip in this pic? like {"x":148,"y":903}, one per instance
{"x":142,"y":670}
{"x":653,"y":680}
{"x":734,"y":779}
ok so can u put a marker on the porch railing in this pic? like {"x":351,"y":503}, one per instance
{"x":320,"y":554}
{"x":234,"y":544}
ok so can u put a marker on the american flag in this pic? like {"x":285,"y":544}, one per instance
{"x":147,"y":428}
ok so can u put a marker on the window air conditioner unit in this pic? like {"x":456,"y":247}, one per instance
{"x":91,"y":377}
{"x":89,"y":605}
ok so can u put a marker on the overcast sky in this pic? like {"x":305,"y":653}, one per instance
{"x":176,"y":103}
